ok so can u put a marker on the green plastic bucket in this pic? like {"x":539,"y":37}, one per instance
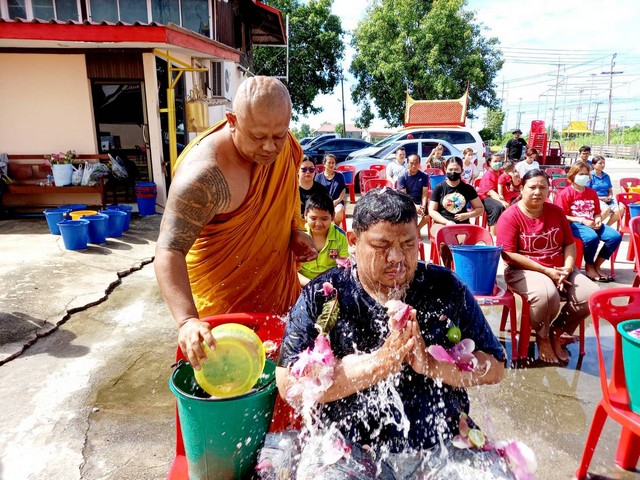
{"x":631,"y":360}
{"x":223,"y":436}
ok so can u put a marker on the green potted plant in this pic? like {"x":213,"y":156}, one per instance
{"x":61,"y":166}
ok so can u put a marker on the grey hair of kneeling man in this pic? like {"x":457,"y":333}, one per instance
{"x":383,"y":205}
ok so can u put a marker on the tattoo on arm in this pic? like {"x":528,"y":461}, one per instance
{"x":194,"y":204}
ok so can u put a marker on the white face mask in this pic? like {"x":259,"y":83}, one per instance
{"x":582,"y":180}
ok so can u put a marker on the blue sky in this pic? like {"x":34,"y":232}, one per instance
{"x":580,"y":35}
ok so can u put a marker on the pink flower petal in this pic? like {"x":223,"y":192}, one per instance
{"x":521,"y":459}
{"x":343,"y":262}
{"x":464,"y":346}
{"x":264,"y":464}
{"x":327,"y":289}
{"x":399,"y":313}
{"x":461,"y":442}
{"x":463,"y":425}
{"x":439,"y":353}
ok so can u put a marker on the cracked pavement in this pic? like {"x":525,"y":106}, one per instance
{"x":85,"y":394}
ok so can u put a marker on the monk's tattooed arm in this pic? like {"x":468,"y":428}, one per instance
{"x":192,"y":204}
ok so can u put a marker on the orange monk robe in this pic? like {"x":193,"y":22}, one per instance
{"x":241,"y":261}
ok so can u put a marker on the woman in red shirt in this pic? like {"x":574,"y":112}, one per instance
{"x":581,"y":205}
{"x":539,"y":250}
{"x":488,"y":192}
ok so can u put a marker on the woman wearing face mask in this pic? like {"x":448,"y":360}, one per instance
{"x":581,"y":205}
{"x":488,"y":193}
{"x":449,"y":199}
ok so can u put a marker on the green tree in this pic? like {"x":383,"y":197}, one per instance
{"x":433,"y":48}
{"x":493,"y":120}
{"x":305,"y":130}
{"x":316,"y":50}
{"x":338,"y":128}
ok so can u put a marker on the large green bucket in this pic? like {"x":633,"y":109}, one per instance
{"x":631,"y":360}
{"x":223,"y":436}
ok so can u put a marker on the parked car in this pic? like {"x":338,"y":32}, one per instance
{"x":321,"y":138}
{"x":459,"y":137}
{"x":340,"y":147}
{"x":305,"y":140}
{"x":387,"y":154}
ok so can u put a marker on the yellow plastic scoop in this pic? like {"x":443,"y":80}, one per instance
{"x":235,"y":364}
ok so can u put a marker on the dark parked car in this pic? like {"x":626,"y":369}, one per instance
{"x":340,"y":147}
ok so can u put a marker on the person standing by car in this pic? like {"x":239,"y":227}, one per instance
{"x":515,"y":146}
{"x":334,"y":183}
{"x":397,"y":167}
{"x":415,"y":183}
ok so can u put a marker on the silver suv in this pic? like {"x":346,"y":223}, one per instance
{"x":459,"y":137}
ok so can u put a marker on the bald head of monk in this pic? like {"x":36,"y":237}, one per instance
{"x":260,"y":119}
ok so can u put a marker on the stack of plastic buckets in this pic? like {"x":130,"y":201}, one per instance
{"x":146,"y":193}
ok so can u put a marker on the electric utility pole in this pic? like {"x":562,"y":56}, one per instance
{"x":611,"y":73}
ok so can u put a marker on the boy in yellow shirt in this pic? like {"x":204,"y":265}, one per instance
{"x":331,"y":242}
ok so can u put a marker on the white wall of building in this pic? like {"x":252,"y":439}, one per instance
{"x":46,"y":104}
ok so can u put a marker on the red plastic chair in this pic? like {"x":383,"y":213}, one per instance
{"x":627,"y":182}
{"x":380,"y":168}
{"x":615,"y":397}
{"x":349,"y":174}
{"x":557,"y":184}
{"x":634,"y":226}
{"x":376,"y":183}
{"x":368,"y":174}
{"x":268,"y":327}
{"x":555,"y":171}
{"x":319,"y":168}
{"x":624,"y":199}
{"x":466,"y":234}
{"x":433,"y":171}
{"x":580,"y":256}
{"x":482,"y":219}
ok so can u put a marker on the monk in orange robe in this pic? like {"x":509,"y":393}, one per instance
{"x":231,"y":233}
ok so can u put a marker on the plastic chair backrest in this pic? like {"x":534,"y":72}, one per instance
{"x":476,"y":183}
{"x":555,"y":171}
{"x":463,"y":234}
{"x":348,"y":172}
{"x":559,"y":183}
{"x":602,"y":307}
{"x":433,"y":171}
{"x":376,"y":183}
{"x":319,"y":168}
{"x":629,"y":182}
{"x":378,"y":167}
{"x":369,"y":175}
{"x":625,"y":199}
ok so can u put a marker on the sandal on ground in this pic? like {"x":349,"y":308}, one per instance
{"x":599,"y":279}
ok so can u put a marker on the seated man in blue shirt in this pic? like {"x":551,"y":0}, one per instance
{"x":371,"y":359}
{"x":415,"y":183}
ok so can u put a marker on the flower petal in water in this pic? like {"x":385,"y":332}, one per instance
{"x":521,"y":459}
{"x":439,"y":353}
{"x":343,"y":262}
{"x":461,"y":442}
{"x":399,"y":314}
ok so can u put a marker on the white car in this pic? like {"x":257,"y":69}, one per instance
{"x":459,"y":137}
{"x":384,"y":155}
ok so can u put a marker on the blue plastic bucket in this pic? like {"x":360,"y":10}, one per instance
{"x":55,"y":215}
{"x":634,"y":209}
{"x":75,"y":206}
{"x":97,"y":228}
{"x":126,"y":209}
{"x":631,"y":360}
{"x":115,"y":223}
{"x":74,"y":233}
{"x":146,"y":205}
{"x":435,"y":180}
{"x":477,"y":266}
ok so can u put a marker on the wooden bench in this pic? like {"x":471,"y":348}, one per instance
{"x":29,"y":191}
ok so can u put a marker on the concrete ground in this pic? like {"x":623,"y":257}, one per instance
{"x":87,"y":344}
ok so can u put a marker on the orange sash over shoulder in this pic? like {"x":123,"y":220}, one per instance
{"x":241,"y":261}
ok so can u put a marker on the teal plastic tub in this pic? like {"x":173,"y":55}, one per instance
{"x":223,"y":436}
{"x":631,"y":360}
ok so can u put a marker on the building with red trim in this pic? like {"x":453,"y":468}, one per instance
{"x":92,"y":75}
